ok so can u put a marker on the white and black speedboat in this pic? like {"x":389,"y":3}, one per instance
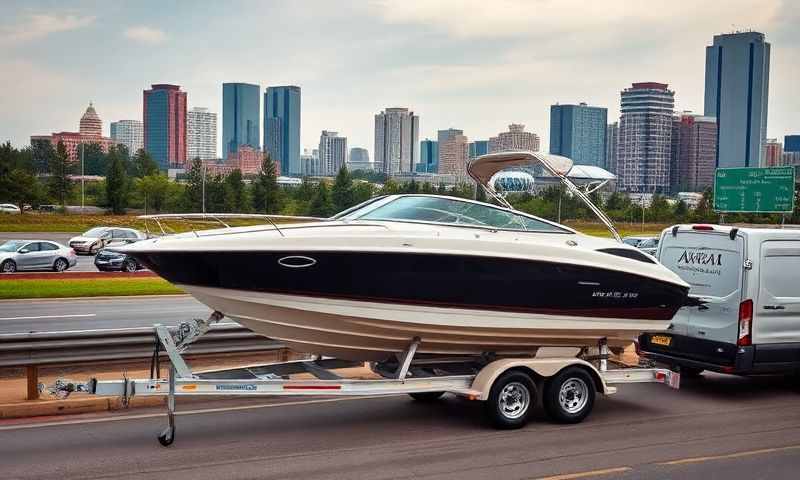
{"x":464,"y":277}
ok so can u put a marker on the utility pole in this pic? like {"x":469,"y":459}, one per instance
{"x":204,"y":186}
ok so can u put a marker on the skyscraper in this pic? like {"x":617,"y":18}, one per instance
{"x":791,"y":143}
{"x":429,"y":156}
{"x":453,"y":156}
{"x":736,"y":93}
{"x":694,"y":139}
{"x":129,"y":133}
{"x":282,"y":127}
{"x":478,"y":148}
{"x":396,"y":140}
{"x":165,"y":125}
{"x":516,"y":138}
{"x":201,"y":134}
{"x":332,"y":152}
{"x":612,"y":133}
{"x":359,"y":159}
{"x":241,"y":123}
{"x":644,"y":146}
{"x":90,"y":124}
{"x":773,"y":153}
{"x":579,"y":132}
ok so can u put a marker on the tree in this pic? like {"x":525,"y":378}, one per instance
{"x":94,"y":159}
{"x":234,"y":192}
{"x":321,"y":205}
{"x":266,"y":193}
{"x":154,"y":190}
{"x":42,"y":154}
{"x":20,"y":187}
{"x":143,"y":164}
{"x":193,"y":194}
{"x":362,"y":191}
{"x":116,"y":182}
{"x":59,"y":185}
{"x":680,"y":211}
{"x":343,"y":190}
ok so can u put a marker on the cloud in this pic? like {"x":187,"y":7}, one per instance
{"x":37,"y":26}
{"x":145,"y":35}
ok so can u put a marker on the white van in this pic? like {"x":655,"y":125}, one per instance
{"x":749,"y":282}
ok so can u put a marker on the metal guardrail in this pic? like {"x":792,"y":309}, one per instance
{"x":33,"y":350}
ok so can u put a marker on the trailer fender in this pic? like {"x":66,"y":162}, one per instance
{"x":541,"y":368}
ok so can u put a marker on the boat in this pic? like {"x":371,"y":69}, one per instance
{"x":456,"y":276}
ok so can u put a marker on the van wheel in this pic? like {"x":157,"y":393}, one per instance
{"x":511,"y":399}
{"x":569,"y":396}
{"x":426,"y":397}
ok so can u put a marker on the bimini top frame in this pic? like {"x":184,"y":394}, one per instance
{"x":483,"y":168}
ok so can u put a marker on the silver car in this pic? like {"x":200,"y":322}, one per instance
{"x":97,"y":238}
{"x":35,"y":255}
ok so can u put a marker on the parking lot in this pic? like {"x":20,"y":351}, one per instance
{"x":85,"y":262}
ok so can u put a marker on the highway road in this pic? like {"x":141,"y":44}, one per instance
{"x":17,"y":316}
{"x":717,"y":427}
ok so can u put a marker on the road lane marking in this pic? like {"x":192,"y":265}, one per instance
{"x":592,"y":473}
{"x":42,"y":317}
{"x":120,"y":418}
{"x":684,"y":461}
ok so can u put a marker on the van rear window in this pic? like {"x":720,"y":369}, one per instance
{"x":712,"y":265}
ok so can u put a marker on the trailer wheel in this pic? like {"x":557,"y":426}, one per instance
{"x":569,"y":396}
{"x":511,"y":399}
{"x":426,"y":397}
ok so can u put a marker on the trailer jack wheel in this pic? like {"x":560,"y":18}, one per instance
{"x":167,"y":436}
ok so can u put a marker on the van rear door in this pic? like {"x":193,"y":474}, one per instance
{"x":712,"y":264}
{"x":777,"y":308}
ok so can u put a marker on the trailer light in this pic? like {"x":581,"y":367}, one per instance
{"x":660,"y":376}
{"x":703,"y":227}
{"x":745,"y":324}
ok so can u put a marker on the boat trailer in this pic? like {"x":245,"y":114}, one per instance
{"x":563,"y":379}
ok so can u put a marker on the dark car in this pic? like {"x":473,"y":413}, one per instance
{"x":107,"y":260}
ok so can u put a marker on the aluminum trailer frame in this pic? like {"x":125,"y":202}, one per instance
{"x":510,"y":399}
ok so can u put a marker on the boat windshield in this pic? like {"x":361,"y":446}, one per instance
{"x":457,"y":212}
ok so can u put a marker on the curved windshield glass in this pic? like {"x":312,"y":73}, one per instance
{"x":96,"y":232}
{"x":11,"y":246}
{"x":454,"y":211}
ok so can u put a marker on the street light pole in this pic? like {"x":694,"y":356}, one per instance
{"x":83,"y":147}
{"x":204,"y":187}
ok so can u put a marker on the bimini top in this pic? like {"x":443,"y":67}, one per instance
{"x":483,"y":168}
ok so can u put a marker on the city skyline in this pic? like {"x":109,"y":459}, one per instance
{"x":498,"y":69}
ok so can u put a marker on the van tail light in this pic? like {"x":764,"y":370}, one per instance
{"x":745,"y":324}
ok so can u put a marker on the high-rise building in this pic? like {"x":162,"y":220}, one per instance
{"x":429,"y":156}
{"x":644,"y":144}
{"x":791,"y":143}
{"x":694,"y":140}
{"x":309,"y":161}
{"x":773,"y":153}
{"x":396,"y":140}
{"x":790,"y":158}
{"x":129,"y":133}
{"x":516,"y":138}
{"x":478,"y":148}
{"x":201,"y":134}
{"x":241,"y":124}
{"x":453,"y":156}
{"x":165,"y":125}
{"x":736,"y":93}
{"x":359,"y":159}
{"x":282,"y":127}
{"x":332,"y":152}
{"x":579,"y":132}
{"x":612,"y":132}
{"x":90,"y":131}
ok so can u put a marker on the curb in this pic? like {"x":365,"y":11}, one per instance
{"x":72,"y":406}
{"x":76,"y":275}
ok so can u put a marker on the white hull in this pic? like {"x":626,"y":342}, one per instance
{"x":373,"y":331}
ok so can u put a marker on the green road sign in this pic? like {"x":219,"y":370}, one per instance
{"x":754,"y":190}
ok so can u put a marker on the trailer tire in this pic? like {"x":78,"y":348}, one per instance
{"x":511,"y":400}
{"x":569,"y":395}
{"x":426,"y":397}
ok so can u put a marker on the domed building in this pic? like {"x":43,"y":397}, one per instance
{"x":91,"y":125}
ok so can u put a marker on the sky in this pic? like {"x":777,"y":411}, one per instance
{"x":476,"y":65}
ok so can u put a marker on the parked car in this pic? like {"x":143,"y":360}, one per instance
{"x":649,"y":245}
{"x":9,"y":208}
{"x":749,"y":318}
{"x":107,"y":260}
{"x":35,"y":255}
{"x":95,"y":239}
{"x":634,"y":241}
{"x":49,"y":208}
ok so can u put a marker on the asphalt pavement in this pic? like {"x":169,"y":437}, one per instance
{"x":54,"y":315}
{"x":717,"y":427}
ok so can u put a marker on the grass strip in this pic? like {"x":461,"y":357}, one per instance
{"x":18,"y":289}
